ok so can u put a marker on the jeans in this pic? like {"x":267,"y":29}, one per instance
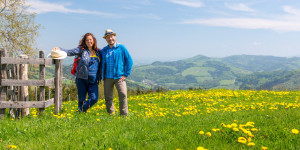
{"x":84,"y":87}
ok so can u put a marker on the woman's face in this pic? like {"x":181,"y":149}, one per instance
{"x":89,"y":41}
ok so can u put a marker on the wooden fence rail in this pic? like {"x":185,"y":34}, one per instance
{"x":9,"y":87}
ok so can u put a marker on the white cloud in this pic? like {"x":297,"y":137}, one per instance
{"x":249,"y":23}
{"x":239,"y":7}
{"x":39,"y":7}
{"x":189,"y":3}
{"x":291,"y":10}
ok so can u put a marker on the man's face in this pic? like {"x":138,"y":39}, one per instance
{"x":111,"y":39}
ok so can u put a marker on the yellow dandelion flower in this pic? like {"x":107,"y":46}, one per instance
{"x":110,"y":149}
{"x":249,"y":139}
{"x":208,"y":134}
{"x":234,"y":125}
{"x":201,"y":148}
{"x":235,"y":129}
{"x":251,"y":144}
{"x":98,"y":119}
{"x":254,"y":129}
{"x":201,"y":132}
{"x":295,"y":131}
{"x":12,"y":146}
{"x":250,"y":134}
{"x":223,"y":124}
{"x":229,"y":126}
{"x":264,"y":148}
{"x":242,"y":140}
{"x":214,"y":130}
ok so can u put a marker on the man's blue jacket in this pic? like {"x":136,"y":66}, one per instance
{"x":122,"y":60}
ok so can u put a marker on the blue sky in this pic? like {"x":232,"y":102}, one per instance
{"x":174,"y":29}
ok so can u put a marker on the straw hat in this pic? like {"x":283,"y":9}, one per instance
{"x":109,"y":32}
{"x":58,"y":54}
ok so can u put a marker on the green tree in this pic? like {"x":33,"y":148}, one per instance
{"x":18,"y":29}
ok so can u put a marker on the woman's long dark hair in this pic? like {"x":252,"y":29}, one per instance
{"x":82,"y":44}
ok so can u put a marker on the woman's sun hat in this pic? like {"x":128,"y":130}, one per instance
{"x":57,"y":54}
{"x":109,"y":32}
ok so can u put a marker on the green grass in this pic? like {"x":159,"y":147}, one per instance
{"x":169,"y":120}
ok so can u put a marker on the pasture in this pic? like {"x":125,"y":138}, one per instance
{"x":183,"y":119}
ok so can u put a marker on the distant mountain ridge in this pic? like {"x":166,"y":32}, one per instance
{"x":208,"y":72}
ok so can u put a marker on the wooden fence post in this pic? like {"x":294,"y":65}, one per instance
{"x":35,"y":93}
{"x":3,"y":75}
{"x":42,"y":77}
{"x":24,"y":96}
{"x":58,"y":86}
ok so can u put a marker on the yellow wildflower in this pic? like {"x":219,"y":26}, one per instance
{"x":264,"y":148}
{"x":201,"y":132}
{"x":223,"y":124}
{"x":235,"y":129}
{"x":249,"y":139}
{"x":251,"y":144}
{"x":201,"y":148}
{"x":208,"y":134}
{"x":242,"y":140}
{"x":295,"y":131}
{"x":254,"y":129}
{"x":12,"y":146}
{"x":234,"y":125}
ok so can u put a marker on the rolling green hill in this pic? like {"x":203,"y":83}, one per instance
{"x":206,"y":72}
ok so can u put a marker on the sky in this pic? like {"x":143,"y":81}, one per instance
{"x":174,"y":29}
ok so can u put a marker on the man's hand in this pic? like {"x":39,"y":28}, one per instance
{"x":122,"y":78}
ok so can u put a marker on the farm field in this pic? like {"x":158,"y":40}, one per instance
{"x":183,"y":119}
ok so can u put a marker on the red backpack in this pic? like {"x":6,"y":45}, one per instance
{"x":75,"y":64}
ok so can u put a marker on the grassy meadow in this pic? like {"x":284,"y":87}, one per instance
{"x":187,"y":120}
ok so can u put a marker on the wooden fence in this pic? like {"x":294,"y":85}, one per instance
{"x":14,"y":81}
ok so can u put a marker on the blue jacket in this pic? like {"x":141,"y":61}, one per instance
{"x":123,"y":61}
{"x":82,"y":71}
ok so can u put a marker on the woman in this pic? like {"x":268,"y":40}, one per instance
{"x":88,"y":70}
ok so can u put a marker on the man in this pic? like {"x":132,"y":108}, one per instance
{"x":116,"y":67}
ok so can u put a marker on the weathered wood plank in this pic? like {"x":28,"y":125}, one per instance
{"x":29,"y":104}
{"x":12,"y":82}
{"x":38,"y":61}
{"x":49,"y":82}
